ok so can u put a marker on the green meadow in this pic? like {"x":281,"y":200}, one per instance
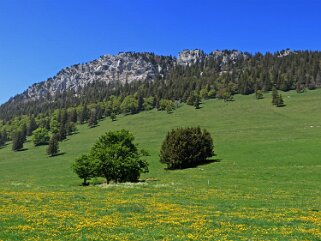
{"x":265,"y":182}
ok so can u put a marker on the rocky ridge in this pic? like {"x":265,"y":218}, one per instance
{"x":125,"y":67}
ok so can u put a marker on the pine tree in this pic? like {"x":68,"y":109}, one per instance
{"x":17,"y":141}
{"x":2,"y":139}
{"x":197,"y":102}
{"x":258,"y":94}
{"x":92,"y":122}
{"x":53,"y":148}
{"x":280,"y":102}
{"x":275,"y":96}
{"x":32,"y":125}
{"x":113,"y":116}
{"x":62,"y":134}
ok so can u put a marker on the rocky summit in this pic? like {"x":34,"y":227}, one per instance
{"x":125,"y":67}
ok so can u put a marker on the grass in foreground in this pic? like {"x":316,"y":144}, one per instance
{"x":266,"y":185}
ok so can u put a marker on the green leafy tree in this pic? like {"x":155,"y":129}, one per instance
{"x":40,"y":136}
{"x":167,"y":105}
{"x":53,"y":148}
{"x":186,"y":147}
{"x":129,"y":105}
{"x":204,"y":93}
{"x":149,"y":103}
{"x":118,"y":158}
{"x":212,"y":94}
{"x":85,"y":168}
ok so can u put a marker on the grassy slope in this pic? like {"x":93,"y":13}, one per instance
{"x":266,"y":185}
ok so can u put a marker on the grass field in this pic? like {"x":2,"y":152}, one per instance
{"x":265,"y":185}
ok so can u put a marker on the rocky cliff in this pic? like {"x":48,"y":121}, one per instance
{"x":125,"y":67}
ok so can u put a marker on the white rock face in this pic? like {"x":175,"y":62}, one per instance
{"x":124,"y":67}
{"x":226,"y":57}
{"x":189,"y":57}
{"x":285,"y":53}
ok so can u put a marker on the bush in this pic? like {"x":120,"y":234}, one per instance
{"x":186,"y":147}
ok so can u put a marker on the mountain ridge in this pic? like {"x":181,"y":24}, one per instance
{"x":145,"y":74}
{"x":124,"y":67}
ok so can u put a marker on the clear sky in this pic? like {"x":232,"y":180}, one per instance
{"x":39,"y":37}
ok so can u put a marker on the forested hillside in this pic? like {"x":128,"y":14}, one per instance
{"x":219,"y":74}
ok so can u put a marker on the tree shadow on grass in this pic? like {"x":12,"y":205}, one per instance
{"x":23,"y":149}
{"x":58,"y":154}
{"x":203,"y":163}
{"x":4,"y":145}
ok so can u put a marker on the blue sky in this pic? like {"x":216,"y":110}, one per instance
{"x":39,"y":37}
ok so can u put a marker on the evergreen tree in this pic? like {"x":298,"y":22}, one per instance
{"x":197,"y":102}
{"x":17,"y":141}
{"x":62,"y":134}
{"x":2,"y":138}
{"x":84,"y":114}
{"x":73,"y":115}
{"x":92,"y":122}
{"x":113,"y":116}
{"x":258,"y":94}
{"x":31,"y":126}
{"x":53,"y":148}
{"x":280,"y":102}
{"x":275,"y":96}
{"x":23,"y":131}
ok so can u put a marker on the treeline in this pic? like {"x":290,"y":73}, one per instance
{"x":298,"y":70}
{"x":60,"y":123}
{"x":210,"y":78}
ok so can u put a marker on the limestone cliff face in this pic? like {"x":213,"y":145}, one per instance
{"x":189,"y":57}
{"x":223,"y":57}
{"x":124,"y":67}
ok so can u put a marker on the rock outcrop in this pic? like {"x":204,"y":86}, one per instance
{"x":189,"y":57}
{"x":124,"y":67}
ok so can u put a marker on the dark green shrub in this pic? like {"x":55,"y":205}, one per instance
{"x":186,"y":147}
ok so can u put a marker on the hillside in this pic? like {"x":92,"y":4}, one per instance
{"x":224,"y":72}
{"x":265,"y":184}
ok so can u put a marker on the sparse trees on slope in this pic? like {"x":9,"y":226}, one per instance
{"x":277,"y":99}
